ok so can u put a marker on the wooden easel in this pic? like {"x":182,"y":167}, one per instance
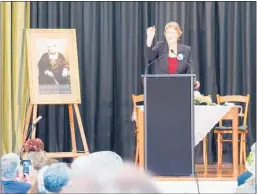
{"x":73,"y":153}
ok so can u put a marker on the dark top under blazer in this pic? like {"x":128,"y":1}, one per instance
{"x":161,"y":66}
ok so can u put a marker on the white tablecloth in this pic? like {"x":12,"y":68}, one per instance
{"x":205,"y":119}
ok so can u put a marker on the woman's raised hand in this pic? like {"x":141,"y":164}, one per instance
{"x":150,"y":32}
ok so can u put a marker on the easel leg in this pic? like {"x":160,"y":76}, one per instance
{"x":72,"y":129}
{"x":34,"y":118}
{"x":28,"y":115}
{"x":81,"y":129}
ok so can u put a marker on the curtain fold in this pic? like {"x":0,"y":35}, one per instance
{"x":14,"y":78}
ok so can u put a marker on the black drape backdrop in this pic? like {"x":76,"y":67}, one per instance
{"x":111,"y":38}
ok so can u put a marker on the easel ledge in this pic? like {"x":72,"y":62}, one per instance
{"x":55,"y":155}
{"x":74,"y":153}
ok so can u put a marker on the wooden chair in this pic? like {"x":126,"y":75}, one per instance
{"x":137,"y":98}
{"x":242,"y":129}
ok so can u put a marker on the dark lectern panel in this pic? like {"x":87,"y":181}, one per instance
{"x":168,"y":144}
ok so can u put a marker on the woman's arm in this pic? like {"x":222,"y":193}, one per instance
{"x":151,"y":52}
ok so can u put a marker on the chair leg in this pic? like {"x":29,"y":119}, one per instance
{"x":137,"y":154}
{"x":241,"y":150}
{"x":137,"y":149}
{"x":219,"y":151}
{"x":244,"y":148}
{"x":205,"y":154}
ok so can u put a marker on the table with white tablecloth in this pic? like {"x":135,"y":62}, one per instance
{"x":206,"y":117}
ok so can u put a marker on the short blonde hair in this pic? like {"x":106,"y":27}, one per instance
{"x":175,"y":26}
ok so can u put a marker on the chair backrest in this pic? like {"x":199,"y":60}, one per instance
{"x":137,"y":98}
{"x":236,"y":98}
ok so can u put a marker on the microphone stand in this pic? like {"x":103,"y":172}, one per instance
{"x":31,"y":128}
{"x":191,"y":67}
{"x":148,"y":65}
{"x":191,"y":72}
{"x":28,"y":136}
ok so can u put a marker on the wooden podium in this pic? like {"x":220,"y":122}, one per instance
{"x":169,"y":124}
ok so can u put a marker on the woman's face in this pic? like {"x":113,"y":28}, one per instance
{"x":171,"y":35}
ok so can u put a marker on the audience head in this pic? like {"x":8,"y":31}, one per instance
{"x":56,"y":177}
{"x":33,"y":145}
{"x":34,"y":151}
{"x":38,"y":185}
{"x":10,"y":165}
{"x":91,"y":170}
{"x":131,"y":179}
{"x":98,"y":164}
{"x":37,"y":159}
{"x":128,"y":179}
{"x":105,"y":172}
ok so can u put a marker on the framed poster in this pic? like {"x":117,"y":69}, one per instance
{"x":53,"y":66}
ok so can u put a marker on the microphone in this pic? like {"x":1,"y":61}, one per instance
{"x":32,"y":127}
{"x":146,"y":68}
{"x":191,"y":67}
{"x":37,"y":120}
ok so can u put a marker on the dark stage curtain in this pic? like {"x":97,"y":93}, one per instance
{"x":111,"y":38}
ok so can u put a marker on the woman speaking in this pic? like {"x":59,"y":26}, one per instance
{"x":174,"y":58}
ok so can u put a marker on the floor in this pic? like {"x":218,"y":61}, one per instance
{"x":210,"y":181}
{"x":191,"y":186}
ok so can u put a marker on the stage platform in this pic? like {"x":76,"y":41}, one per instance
{"x":211,"y":181}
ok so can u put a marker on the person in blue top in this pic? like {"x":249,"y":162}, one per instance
{"x":241,"y":179}
{"x":10,"y":164}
